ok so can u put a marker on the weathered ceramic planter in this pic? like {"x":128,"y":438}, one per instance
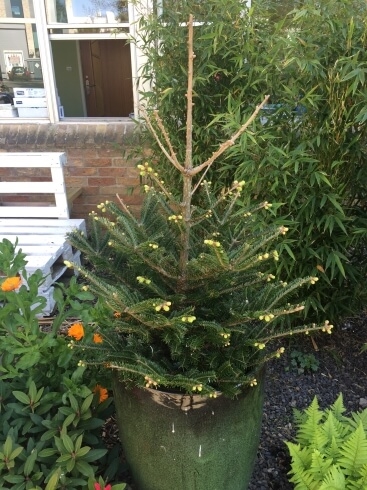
{"x":181,"y":442}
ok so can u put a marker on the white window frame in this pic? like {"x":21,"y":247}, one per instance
{"x":44,"y":42}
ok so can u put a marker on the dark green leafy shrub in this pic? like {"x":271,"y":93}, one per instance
{"x":307,"y":152}
{"x":50,"y":417}
{"x":330,"y":452}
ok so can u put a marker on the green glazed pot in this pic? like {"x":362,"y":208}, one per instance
{"x":182,"y":442}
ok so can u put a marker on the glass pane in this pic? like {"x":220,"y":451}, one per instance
{"x":93,"y":77}
{"x":16,"y":9}
{"x":87,"y":11}
{"x":20,"y":67}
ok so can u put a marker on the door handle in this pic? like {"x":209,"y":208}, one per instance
{"x":87,"y":85}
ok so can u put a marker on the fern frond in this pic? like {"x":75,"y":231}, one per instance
{"x":334,"y":480}
{"x":354,"y":452}
{"x":338,"y":408}
{"x":358,"y":417}
{"x":320,"y":465}
{"x":333,"y":428}
{"x":301,"y":457}
{"x":307,"y":431}
{"x":361,"y":483}
{"x":333,"y":450}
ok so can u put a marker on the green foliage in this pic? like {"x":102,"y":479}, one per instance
{"x":50,"y":419}
{"x":184,"y":297}
{"x":306,"y":154}
{"x":330,"y":450}
{"x":303,"y":363}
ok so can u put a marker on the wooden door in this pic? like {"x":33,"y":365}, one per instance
{"x":107,"y":78}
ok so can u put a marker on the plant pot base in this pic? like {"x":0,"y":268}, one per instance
{"x":181,"y":442}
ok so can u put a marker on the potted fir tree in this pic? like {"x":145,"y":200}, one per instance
{"x":186,"y":310}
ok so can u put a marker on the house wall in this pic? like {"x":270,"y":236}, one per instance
{"x":97,"y":154}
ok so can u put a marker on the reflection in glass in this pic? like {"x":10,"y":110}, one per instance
{"x":16,"y":9}
{"x":87,"y":11}
{"x":20,"y":63}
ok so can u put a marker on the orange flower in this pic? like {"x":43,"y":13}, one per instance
{"x":11,"y":283}
{"x":97,"y":339}
{"x":101,"y":392}
{"x":77,"y":331}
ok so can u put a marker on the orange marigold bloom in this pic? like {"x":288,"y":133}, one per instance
{"x":76,"y":330}
{"x":11,"y":283}
{"x":101,"y":392}
{"x":97,"y":339}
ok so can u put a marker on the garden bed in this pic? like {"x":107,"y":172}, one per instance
{"x":342,"y":368}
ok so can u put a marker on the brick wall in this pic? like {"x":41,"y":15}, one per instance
{"x":98,"y":158}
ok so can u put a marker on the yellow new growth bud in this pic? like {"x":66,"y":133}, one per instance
{"x":279,"y":352}
{"x":283,"y":230}
{"x":270,"y":277}
{"x":85,"y":288}
{"x":259,"y":345}
{"x":197,"y":387}
{"x":146,"y":188}
{"x":327,"y":327}
{"x":175,"y":218}
{"x":188,"y":319}
{"x":81,"y":363}
{"x":68,"y":264}
{"x":154,"y":246}
{"x":267,"y":205}
{"x":266,"y":255}
{"x":313,"y":280}
{"x":110,"y":244}
{"x":253,"y":382}
{"x":165,"y":306}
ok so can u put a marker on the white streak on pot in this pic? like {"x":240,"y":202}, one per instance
{"x":173,"y":428}
{"x":200,"y":451}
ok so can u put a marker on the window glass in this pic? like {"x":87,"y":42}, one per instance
{"x":21,"y":72}
{"x":87,"y":11}
{"x":94,"y":77}
{"x":16,"y":9}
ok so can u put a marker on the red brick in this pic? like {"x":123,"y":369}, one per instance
{"x":98,"y":162}
{"x":128,"y":181}
{"x":80,"y":171}
{"x":83,"y":153}
{"x":101,"y":181}
{"x":110,"y":171}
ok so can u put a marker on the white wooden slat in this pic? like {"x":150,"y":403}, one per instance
{"x":22,"y":159}
{"x":25,"y":240}
{"x":43,"y":262}
{"x":41,"y":249}
{"x":7,"y":187}
{"x":13,"y":226}
{"x":32,"y":212}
